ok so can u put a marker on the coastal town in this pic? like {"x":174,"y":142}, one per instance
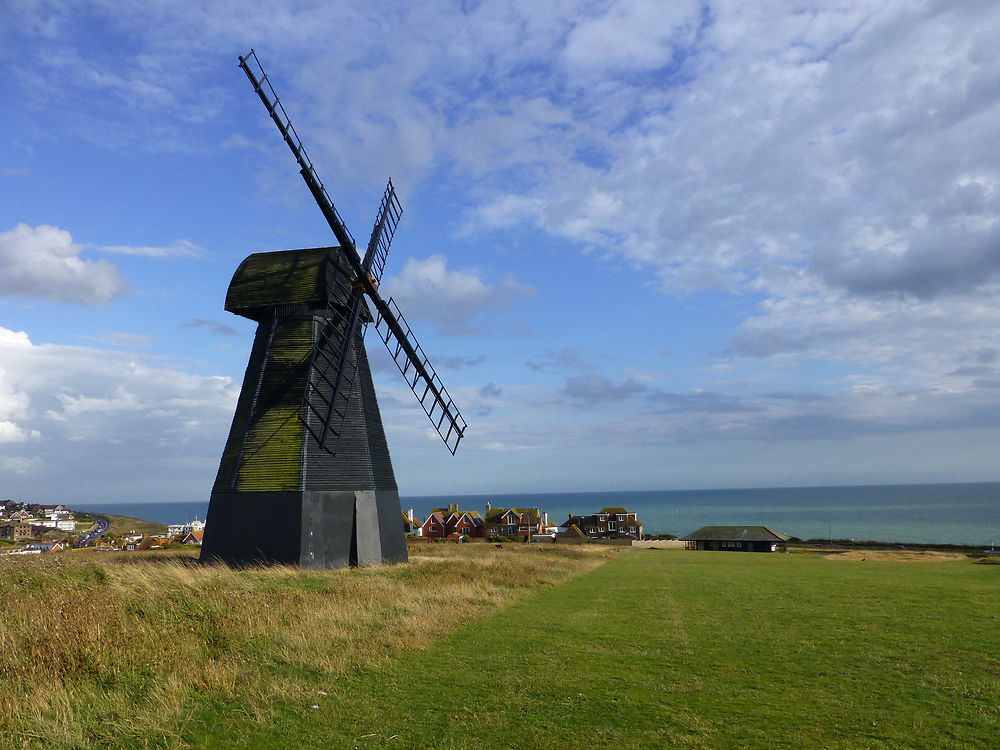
{"x":31,"y":528}
{"x":34,"y":528}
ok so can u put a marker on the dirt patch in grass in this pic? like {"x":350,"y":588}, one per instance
{"x":915,"y":555}
{"x":659,"y":544}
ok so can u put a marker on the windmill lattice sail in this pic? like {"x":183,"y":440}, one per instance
{"x":331,"y":363}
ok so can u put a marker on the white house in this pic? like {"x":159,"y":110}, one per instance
{"x":180,"y":529}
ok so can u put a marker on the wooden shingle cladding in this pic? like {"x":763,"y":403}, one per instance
{"x":736,"y":539}
{"x":269,"y":449}
{"x":278,"y":495}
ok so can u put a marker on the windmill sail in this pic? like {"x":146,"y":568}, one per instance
{"x":273,"y":106}
{"x":331,"y":363}
{"x":395,"y":333}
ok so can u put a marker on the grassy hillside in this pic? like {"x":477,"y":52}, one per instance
{"x":657,"y":647}
{"x":124,"y":525}
{"x":128,"y":649}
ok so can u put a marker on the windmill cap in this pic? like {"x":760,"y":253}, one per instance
{"x":290,"y":277}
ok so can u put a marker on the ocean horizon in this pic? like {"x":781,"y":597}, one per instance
{"x":956,"y":513}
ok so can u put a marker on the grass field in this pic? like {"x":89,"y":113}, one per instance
{"x":653,"y":648}
{"x":125,"y":649}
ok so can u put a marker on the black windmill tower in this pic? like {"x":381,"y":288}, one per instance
{"x":305,"y":477}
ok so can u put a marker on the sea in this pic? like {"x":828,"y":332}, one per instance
{"x":966,"y":514}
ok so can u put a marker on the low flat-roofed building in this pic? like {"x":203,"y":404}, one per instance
{"x":736,"y":539}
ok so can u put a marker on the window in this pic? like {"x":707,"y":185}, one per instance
{"x":612,"y":526}
{"x":621,"y":517}
{"x":632,"y":529}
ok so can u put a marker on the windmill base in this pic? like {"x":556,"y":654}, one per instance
{"x":316,"y":529}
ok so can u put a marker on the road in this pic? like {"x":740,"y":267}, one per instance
{"x":101,"y":527}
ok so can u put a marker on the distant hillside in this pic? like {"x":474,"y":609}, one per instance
{"x":125,"y":525}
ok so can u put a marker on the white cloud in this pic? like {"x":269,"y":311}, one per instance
{"x":452,"y":299}
{"x":179,"y":248}
{"x":630,"y":36}
{"x":13,"y":433}
{"x":19,"y":464}
{"x":103,"y":423}
{"x":833,"y":164}
{"x":44,"y":262}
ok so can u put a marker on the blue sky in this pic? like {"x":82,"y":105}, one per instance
{"x":645,"y":245}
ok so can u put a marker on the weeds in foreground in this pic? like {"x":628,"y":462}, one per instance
{"x":119,"y":649}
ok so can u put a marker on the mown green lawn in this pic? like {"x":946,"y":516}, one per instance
{"x":696,"y":649}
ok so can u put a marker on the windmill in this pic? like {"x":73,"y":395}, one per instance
{"x":306,"y":477}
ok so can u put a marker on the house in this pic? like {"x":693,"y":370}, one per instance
{"x":452,"y":523}
{"x":151,"y":542}
{"x":736,"y":539}
{"x":411,"y":524}
{"x":193,"y":537}
{"x":45,"y":547}
{"x":19,"y":532}
{"x":465,"y":523}
{"x":178,"y":530}
{"x":608,"y":523}
{"x":434,"y":527}
{"x":571,"y":533}
{"x":515,"y":522}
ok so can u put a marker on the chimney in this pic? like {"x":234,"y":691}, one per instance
{"x":546,"y":518}
{"x":411,"y":515}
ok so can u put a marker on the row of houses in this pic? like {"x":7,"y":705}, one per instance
{"x":453,"y":522}
{"x":181,"y":529}
{"x":21,"y":515}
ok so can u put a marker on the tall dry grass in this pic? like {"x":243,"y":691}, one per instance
{"x":121,"y":649}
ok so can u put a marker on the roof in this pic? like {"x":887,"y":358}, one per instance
{"x":406,"y":517}
{"x":285,"y":277}
{"x":495,"y":514}
{"x":735,"y":533}
{"x":447,"y":513}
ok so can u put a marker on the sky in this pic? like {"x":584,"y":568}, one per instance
{"x":645,"y":245}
